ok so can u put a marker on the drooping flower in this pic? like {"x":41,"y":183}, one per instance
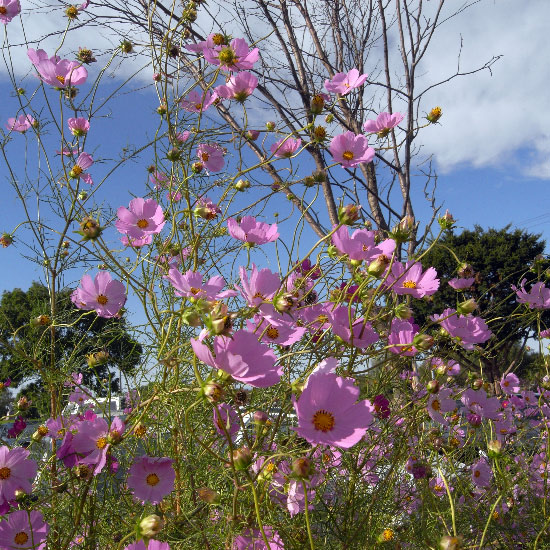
{"x":238,"y":87}
{"x":16,"y":472}
{"x":104,"y":294}
{"x":409,"y":279}
{"x":8,"y":10}
{"x":328,"y":413}
{"x":383,"y":124}
{"x":243,"y":357}
{"x":151,"y":478}
{"x":235,"y":57}
{"x":196,"y":102}
{"x":343,"y":83}
{"x":468,"y":329}
{"x":191,"y":284}
{"x":285,"y":147}
{"x":23,"y":530}
{"x":20,"y":124}
{"x":211,"y":156}
{"x":78,"y":126}
{"x":537,"y":298}
{"x":249,"y":230}
{"x":83,"y":162}
{"x":145,"y":217}
{"x":57,"y":72}
{"x":350,"y":149}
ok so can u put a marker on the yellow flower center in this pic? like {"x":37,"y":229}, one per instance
{"x":259,"y":295}
{"x":72,"y":12}
{"x":101,"y":443}
{"x":409,"y":284}
{"x":218,"y":39}
{"x":152,"y":479}
{"x":61,"y":79}
{"x":438,"y":488}
{"x":436,"y":405}
{"x":5,"y":472}
{"x":198,"y":106}
{"x":195,"y":290}
{"x":76,"y":169}
{"x":477,"y":473}
{"x":347,"y":155}
{"x":227,"y":56}
{"x":205,"y":156}
{"x":21,"y":538}
{"x":142,"y":224}
{"x":387,"y":534}
{"x":323,"y":420}
{"x":3,"y":10}
{"x":102,"y":299}
{"x":272,"y":333}
{"x":322,"y":319}
{"x":271,"y":468}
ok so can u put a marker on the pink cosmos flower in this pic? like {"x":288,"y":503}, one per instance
{"x":20,"y":124}
{"x":182,"y":137}
{"x":537,"y":298}
{"x":468,"y":329}
{"x":198,"y":102}
{"x":235,"y":57}
{"x":401,"y":337}
{"x":343,"y":83}
{"x":360,"y":334}
{"x":253,"y":540}
{"x":462,"y":283}
{"x":104,"y":294}
{"x":159,"y":179}
{"x":83,"y":162}
{"x":78,"y":126}
{"x":206,"y":208}
{"x":243,"y":357}
{"x":151,"y":478}
{"x":136,"y":243}
{"x":238,"y":87}
{"x":16,"y":472}
{"x":350,"y":149}
{"x":225,"y":419}
{"x":481,"y":473}
{"x":409,"y":279}
{"x":57,"y":72}
{"x":437,"y":485}
{"x":328,"y":413}
{"x":260,"y":287}
{"x":145,"y":217}
{"x":361,"y":244}
{"x":211,"y":157}
{"x":477,"y":403}
{"x":152,"y":545}
{"x":23,"y":530}
{"x":545,"y":333}
{"x":285,"y":147}
{"x":276,"y":330}
{"x":191,"y":284}
{"x":249,"y":230}
{"x":383,"y":124}
{"x":8,"y":10}
{"x":510,"y":384}
{"x":440,"y":402}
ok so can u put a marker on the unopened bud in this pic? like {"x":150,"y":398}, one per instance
{"x":150,"y":526}
{"x":386,"y":535}
{"x":349,"y":214}
{"x":41,"y":432}
{"x":260,"y":417}
{"x":97,"y":358}
{"x":197,"y":167}
{"x":284,"y":302}
{"x":317,"y":104}
{"x":23,"y":404}
{"x":20,"y":495}
{"x":41,"y":321}
{"x":494,"y":448}
{"x":252,"y":135}
{"x":270,"y":126}
{"x":242,"y":458}
{"x":450,"y":543}
{"x":208,"y":495}
{"x":546,"y":382}
{"x":241,"y":185}
{"x":173,"y":155}
{"x":213,"y":392}
{"x":446,"y":221}
{"x":434,"y":115}
{"x":467,"y":307}
{"x":191,"y":318}
{"x":432,"y":386}
{"x":6,"y":239}
{"x":90,"y":228}
{"x":126,"y":46}
{"x":423,"y":342}
{"x":302,"y":467}
{"x":403,"y":311}
{"x":477,"y":384}
{"x":377,"y":267}
{"x":329,"y":118}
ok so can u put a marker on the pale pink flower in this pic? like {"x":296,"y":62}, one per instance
{"x":197,"y":102}
{"x":440,"y":402}
{"x":144,"y":218}
{"x":191,"y":284}
{"x":23,"y":530}
{"x":238,"y":87}
{"x":510,"y":384}
{"x":211,"y":156}
{"x":104,"y":294}
{"x":83,"y":162}
{"x":481,"y":473}
{"x":8,"y":10}
{"x":409,"y":279}
{"x":151,"y":478}
{"x":468,"y":329}
{"x":343,"y":83}
{"x":285,"y":147}
{"x":350,"y":149}
{"x":20,"y":124}
{"x":57,"y":72}
{"x":252,"y":231}
{"x":537,"y":298}
{"x":235,"y":57}
{"x":462,"y":283}
{"x":16,"y":472}
{"x":78,"y":126}
{"x":383,"y":124}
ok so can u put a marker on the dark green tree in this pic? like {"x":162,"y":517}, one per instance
{"x":499,"y":258}
{"x":40,"y":353}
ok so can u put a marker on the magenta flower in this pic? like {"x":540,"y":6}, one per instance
{"x":8,"y":10}
{"x":361,"y":244}
{"x":20,"y":124}
{"x":238,"y":87}
{"x":383,"y":124}
{"x":23,"y":530}
{"x":191,"y":284}
{"x":537,"y":298}
{"x":104,"y":294}
{"x":19,"y":425}
{"x":198,"y":102}
{"x":16,"y":472}
{"x":83,"y":162}
{"x":57,"y":72}
{"x":276,"y":330}
{"x":145,"y":217}
{"x":440,"y":403}
{"x":243,"y":357}
{"x":78,"y":126}
{"x":253,"y":540}
{"x":260,"y":287}
{"x":235,"y":57}
{"x":343,"y":83}
{"x":152,"y":545}
{"x":151,"y":478}
{"x":211,"y":157}
{"x":328,"y":413}
{"x":350,"y":150}
{"x":409,"y":279}
{"x":510,"y":384}
{"x":462,"y":283}
{"x":477,"y":403}
{"x":249,"y":230}
{"x":481,"y":473}
{"x":285,"y":147}
{"x":468,"y":329}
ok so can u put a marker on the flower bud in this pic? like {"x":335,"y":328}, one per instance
{"x":466,"y":307}
{"x":213,"y":392}
{"x":302,"y":467}
{"x":150,"y":526}
{"x":162,"y":109}
{"x":260,"y":417}
{"x":191,"y":318}
{"x":446,"y":221}
{"x":23,"y":404}
{"x":494,"y":448}
{"x":41,"y":321}
{"x":546,"y":382}
{"x":242,"y":458}
{"x":403,"y":312}
{"x":252,"y":135}
{"x":174,"y":154}
{"x":270,"y":126}
{"x":329,"y":118}
{"x":126,"y":46}
{"x":41,"y":432}
{"x":434,"y":115}
{"x":241,"y":185}
{"x":6,"y":239}
{"x":20,"y":495}
{"x":208,"y":495}
{"x":423,"y":342}
{"x":349,"y":214}
{"x":403,"y":231}
{"x":477,"y":384}
{"x":377,"y":267}
{"x":97,"y":358}
{"x":85,"y":56}
{"x":386,"y":535}
{"x":90,"y":229}
{"x":432,"y":386}
{"x":450,"y":543}
{"x":465,"y":271}
{"x":317,"y":104}
{"x":284,"y":302}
